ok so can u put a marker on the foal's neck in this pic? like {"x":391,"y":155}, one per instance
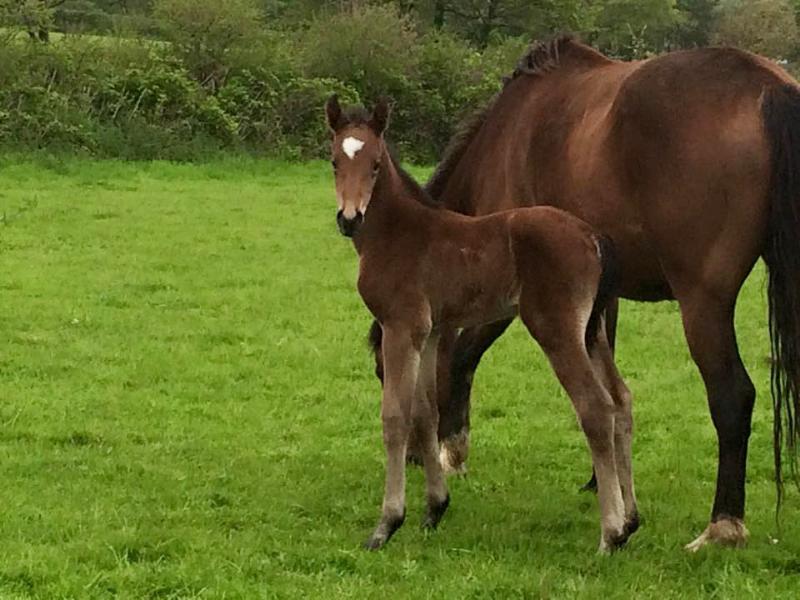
{"x":393,"y":208}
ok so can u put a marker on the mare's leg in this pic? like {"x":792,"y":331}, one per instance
{"x":401,"y":360}
{"x":603,"y":360}
{"x":425,"y":417}
{"x":560,"y":331}
{"x":454,"y":409}
{"x":708,"y":323}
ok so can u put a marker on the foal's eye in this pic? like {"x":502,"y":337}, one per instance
{"x":375,"y":168}
{"x":334,"y":164}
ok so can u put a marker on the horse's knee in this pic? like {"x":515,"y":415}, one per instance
{"x":597,"y":421}
{"x":396,"y":430}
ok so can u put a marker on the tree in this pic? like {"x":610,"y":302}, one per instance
{"x":35,"y":16}
{"x":206,"y":33}
{"x":698,"y":26}
{"x":477,"y":20}
{"x":763,"y":26}
{"x":635,"y":28}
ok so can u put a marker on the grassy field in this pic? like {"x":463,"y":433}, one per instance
{"x":187,"y":409}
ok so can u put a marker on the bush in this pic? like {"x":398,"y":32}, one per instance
{"x":370,"y":49}
{"x":205,"y":34}
{"x":449,"y":80}
{"x":112,"y":96}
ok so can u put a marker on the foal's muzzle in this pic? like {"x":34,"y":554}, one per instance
{"x":348,"y":227}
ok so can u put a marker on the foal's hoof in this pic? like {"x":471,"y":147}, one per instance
{"x":727,"y":531}
{"x":611,"y":543}
{"x":383,"y":533}
{"x":591,"y":485}
{"x":435,"y":513}
{"x":632,"y":524}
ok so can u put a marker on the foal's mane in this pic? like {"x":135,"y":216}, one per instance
{"x":540,"y":59}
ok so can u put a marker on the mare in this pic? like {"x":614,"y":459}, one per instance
{"x":689,"y":162}
{"x":423,"y":268}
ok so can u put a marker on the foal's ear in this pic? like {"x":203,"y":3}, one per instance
{"x":380,"y":115}
{"x":334,"y":113}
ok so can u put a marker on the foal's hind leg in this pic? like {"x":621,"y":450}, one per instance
{"x":560,"y":332}
{"x":605,"y":366}
{"x":401,"y":368}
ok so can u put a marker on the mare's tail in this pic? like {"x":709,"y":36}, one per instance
{"x":606,"y":288}
{"x":781,"y":115}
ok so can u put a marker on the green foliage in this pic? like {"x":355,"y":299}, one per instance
{"x":282,"y":113}
{"x":253,"y":74}
{"x":763,"y":26}
{"x":83,"y":15}
{"x":205,"y":34}
{"x":34,"y":16}
{"x":370,"y":48}
{"x":696,"y":28}
{"x":635,"y":28}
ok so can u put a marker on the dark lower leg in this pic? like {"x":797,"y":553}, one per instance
{"x":731,"y":410}
{"x":731,"y":396}
{"x":467,"y":352}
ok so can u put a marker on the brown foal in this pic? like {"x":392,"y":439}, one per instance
{"x":423,"y":269}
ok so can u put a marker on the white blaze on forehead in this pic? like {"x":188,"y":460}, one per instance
{"x":351,"y":146}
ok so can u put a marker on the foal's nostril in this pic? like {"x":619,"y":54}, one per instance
{"x":347,"y":226}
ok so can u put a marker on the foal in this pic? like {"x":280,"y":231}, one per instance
{"x":422,"y":268}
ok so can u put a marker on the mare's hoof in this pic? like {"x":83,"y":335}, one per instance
{"x":453,"y":454}
{"x":435,"y":513}
{"x":383,"y":533}
{"x":725,"y":531}
{"x":590,"y":486}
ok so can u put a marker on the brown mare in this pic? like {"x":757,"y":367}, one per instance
{"x":423,"y":269}
{"x":690,"y":162}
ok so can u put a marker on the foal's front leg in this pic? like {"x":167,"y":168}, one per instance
{"x":401,"y":361}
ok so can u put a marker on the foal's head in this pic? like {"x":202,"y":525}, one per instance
{"x":356,"y":155}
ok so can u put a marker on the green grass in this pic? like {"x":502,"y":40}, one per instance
{"x":187,"y":409}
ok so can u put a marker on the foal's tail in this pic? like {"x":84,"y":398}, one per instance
{"x":375,"y":341}
{"x":781,"y":114}
{"x":606,"y":288}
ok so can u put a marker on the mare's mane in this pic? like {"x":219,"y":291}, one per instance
{"x":540,"y":59}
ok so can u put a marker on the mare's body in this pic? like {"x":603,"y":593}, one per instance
{"x":687,"y":161}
